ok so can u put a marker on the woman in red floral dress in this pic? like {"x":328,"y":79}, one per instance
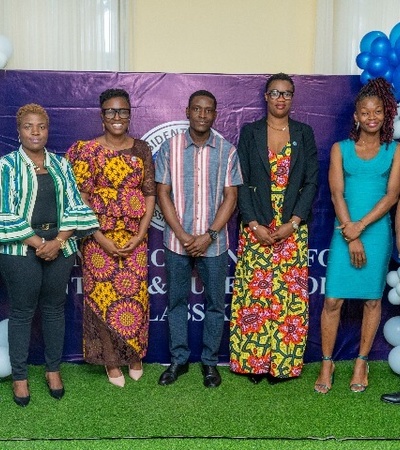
{"x":115,"y":174}
{"x":269,"y":318}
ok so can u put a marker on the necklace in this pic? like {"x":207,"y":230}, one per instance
{"x":364,"y":148}
{"x":277,"y":129}
{"x":36,"y":167}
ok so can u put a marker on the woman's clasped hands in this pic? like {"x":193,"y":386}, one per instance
{"x":351,"y":232}
{"x":48,"y":250}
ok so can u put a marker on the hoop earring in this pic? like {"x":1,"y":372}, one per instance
{"x":19,"y":139}
{"x":357,"y":125}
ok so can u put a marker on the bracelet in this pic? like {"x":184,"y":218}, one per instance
{"x":62,"y":242}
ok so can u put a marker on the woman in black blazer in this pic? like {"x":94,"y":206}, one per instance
{"x":269,"y":322}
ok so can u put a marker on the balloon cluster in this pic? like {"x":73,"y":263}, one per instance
{"x":5,"y":51}
{"x":391,"y":329}
{"x":5,"y":365}
{"x":380,"y":57}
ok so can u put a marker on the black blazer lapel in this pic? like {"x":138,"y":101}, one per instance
{"x":296,"y":140}
{"x":260,"y":137}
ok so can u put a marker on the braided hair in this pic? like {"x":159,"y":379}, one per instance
{"x":382,"y":89}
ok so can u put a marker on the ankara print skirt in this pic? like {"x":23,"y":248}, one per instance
{"x":269,"y":313}
{"x":116,"y":303}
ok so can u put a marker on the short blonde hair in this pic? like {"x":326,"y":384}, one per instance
{"x":31,"y":108}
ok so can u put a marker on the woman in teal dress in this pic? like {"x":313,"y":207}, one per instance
{"x":364,"y":178}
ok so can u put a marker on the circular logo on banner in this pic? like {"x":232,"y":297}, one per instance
{"x":155,"y":137}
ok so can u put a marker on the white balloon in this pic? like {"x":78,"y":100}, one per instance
{"x":397,"y":288}
{"x":5,"y":46}
{"x":3,"y":60}
{"x":4,"y":333}
{"x":391,"y":331}
{"x":394,"y":295}
{"x":396,"y":124}
{"x":394,"y":359}
{"x":392,"y":278}
{"x":5,"y":365}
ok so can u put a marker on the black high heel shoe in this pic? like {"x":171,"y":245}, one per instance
{"x":255,"y":378}
{"x":58,"y":394}
{"x":21,"y":401}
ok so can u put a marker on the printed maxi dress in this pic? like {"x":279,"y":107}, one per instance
{"x":116,"y":299}
{"x":269,"y":313}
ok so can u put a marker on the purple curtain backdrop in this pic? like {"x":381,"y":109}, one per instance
{"x":159,"y":101}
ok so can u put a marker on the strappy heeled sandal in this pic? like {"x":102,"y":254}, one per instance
{"x":322,"y":388}
{"x":359,"y":387}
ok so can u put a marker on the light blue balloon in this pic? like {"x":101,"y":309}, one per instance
{"x":366,"y":41}
{"x":391,"y":331}
{"x":394,"y":359}
{"x":4,"y":333}
{"x":394,"y":34}
{"x":5,"y":365}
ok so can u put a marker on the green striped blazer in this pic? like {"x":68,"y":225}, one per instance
{"x":18,"y":195}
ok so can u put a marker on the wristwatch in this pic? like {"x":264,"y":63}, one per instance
{"x":213,"y":234}
{"x":295,"y":225}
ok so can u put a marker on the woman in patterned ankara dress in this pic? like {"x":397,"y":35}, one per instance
{"x":269,"y":321}
{"x":115,"y":174}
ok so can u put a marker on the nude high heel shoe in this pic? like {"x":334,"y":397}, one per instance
{"x":136,"y":374}
{"x":116,"y":381}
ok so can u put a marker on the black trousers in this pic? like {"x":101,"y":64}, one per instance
{"x":33,"y":282}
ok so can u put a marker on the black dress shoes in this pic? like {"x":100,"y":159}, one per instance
{"x":255,"y":378}
{"x":58,"y":394}
{"x":22,"y":401}
{"x":212,"y":378}
{"x":391,"y":398}
{"x":170,"y":375}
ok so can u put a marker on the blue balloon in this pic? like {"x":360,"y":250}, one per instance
{"x":393,"y":58}
{"x":377,"y":66}
{"x":365,"y":77}
{"x":396,"y":83}
{"x":363,"y":59}
{"x":381,"y":46}
{"x":388,"y":75}
{"x":394,"y":34}
{"x":366,"y":41}
{"x":396,"y":77}
{"x":397,"y":48}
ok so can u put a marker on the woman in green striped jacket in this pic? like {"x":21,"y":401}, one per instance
{"x":41,"y":217}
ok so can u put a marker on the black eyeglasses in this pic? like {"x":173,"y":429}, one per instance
{"x":110,"y":113}
{"x":275,"y":94}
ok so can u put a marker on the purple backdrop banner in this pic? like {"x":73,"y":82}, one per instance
{"x":158,"y":112}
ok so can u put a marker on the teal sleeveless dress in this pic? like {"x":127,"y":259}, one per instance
{"x":365,"y":183}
